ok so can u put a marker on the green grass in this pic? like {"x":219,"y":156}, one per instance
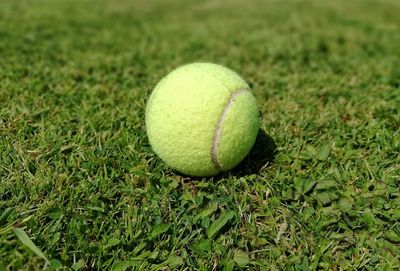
{"x":81,"y":188}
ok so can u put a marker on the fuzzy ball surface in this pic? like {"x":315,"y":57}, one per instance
{"x":202,"y":119}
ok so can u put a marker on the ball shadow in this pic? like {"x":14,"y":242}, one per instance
{"x":261,"y":156}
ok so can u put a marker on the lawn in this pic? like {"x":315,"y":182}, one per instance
{"x":81,"y":189}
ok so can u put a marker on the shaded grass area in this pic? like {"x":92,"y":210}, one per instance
{"x":79,"y":177}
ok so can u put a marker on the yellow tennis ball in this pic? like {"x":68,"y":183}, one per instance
{"x":202,"y":119}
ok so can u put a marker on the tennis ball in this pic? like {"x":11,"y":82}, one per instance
{"x":202,"y":119}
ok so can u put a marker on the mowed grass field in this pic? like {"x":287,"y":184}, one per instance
{"x":81,"y":188}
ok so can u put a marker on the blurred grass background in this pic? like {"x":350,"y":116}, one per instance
{"x":79,"y":178}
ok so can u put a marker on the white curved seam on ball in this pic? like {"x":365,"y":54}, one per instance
{"x":218,"y":128}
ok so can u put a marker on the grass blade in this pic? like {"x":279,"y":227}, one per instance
{"x":24,"y":238}
{"x":241,"y":258}
{"x":218,"y":224}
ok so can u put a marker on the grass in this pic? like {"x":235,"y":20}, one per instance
{"x":81,"y":188}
